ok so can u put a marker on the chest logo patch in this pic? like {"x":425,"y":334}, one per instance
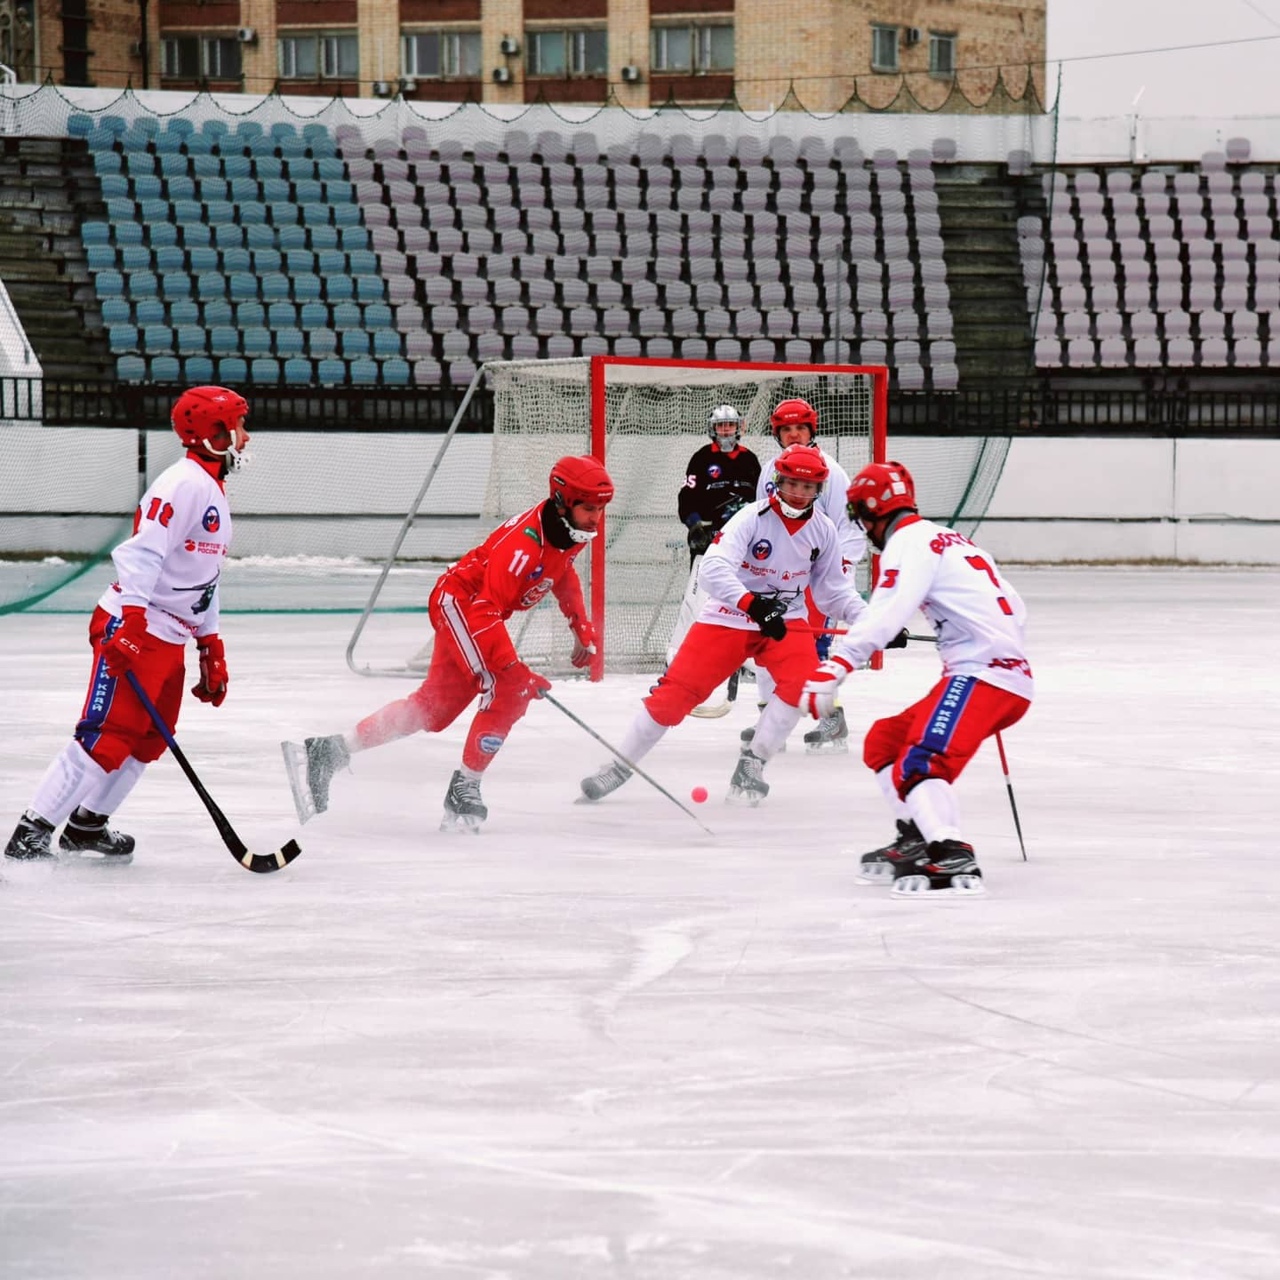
{"x":212,"y":520}
{"x":537,"y":573}
{"x":714,"y":471}
{"x":762,"y":550}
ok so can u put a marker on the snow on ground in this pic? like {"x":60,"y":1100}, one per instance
{"x":594,"y":1041}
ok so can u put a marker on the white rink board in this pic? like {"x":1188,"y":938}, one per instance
{"x":593,"y":1042}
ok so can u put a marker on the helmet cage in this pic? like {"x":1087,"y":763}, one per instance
{"x":725,"y":415}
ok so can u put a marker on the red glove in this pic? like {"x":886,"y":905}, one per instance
{"x":122,"y":652}
{"x":584,"y":636}
{"x":212,"y":686}
{"x":526,"y":683}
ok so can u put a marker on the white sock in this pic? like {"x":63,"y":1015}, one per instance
{"x":932,"y":804}
{"x":765,"y":685}
{"x":644,"y":734}
{"x":69,"y":776}
{"x":884,"y":780}
{"x":775,"y":723}
{"x":109,"y":794}
{"x":473,"y":775}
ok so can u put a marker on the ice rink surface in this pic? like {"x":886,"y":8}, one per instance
{"x":595,"y":1042}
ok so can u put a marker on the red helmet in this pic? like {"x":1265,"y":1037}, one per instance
{"x":199,"y":412}
{"x":794,"y":413}
{"x":802,"y":462}
{"x":880,"y":489}
{"x":581,"y":479}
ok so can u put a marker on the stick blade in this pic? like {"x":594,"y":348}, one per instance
{"x":712,"y":711}
{"x":295,"y":766}
{"x":265,"y":863}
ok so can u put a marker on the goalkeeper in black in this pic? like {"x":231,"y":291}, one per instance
{"x":722,"y":477}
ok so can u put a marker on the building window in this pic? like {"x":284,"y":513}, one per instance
{"x":319,"y":57}
{"x":942,"y":54}
{"x":884,"y":48}
{"x":698,"y":49}
{"x":435,"y":54}
{"x":568,"y":53}
{"x":197,"y":57}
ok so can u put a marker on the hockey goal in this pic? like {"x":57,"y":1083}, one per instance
{"x":644,"y":418}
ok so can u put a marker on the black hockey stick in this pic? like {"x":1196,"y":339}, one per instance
{"x":1013,"y":804}
{"x":617,"y":755}
{"x":262,"y":862}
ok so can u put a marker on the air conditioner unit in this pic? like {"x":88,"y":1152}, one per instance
{"x":135,"y":49}
{"x":247,"y":35}
{"x":408,"y":85}
{"x":383,"y":88}
{"x":501,"y":75}
{"x":510,"y":46}
{"x":913,"y":35}
{"x":631,"y":74}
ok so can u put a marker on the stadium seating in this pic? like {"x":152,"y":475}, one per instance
{"x":1142,"y":269}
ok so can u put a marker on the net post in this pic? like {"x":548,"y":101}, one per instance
{"x":599,"y":543}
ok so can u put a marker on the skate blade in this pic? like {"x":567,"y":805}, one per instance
{"x":919,"y":887}
{"x":459,"y":824}
{"x":738,"y":796}
{"x":839,"y":747}
{"x":877,"y":873}
{"x":93,"y":858}
{"x":295,"y":766}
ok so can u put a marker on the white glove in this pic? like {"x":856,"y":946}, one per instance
{"x":823,"y":688}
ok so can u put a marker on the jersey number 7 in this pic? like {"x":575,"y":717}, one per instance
{"x":983,"y":566}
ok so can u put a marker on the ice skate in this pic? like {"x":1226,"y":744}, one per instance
{"x":96,"y":842}
{"x":945,"y":867}
{"x":748,"y":782}
{"x":605,"y":781}
{"x":30,"y":840}
{"x":311,"y":768}
{"x":878,"y":866}
{"x":464,"y":810}
{"x":831,"y":735}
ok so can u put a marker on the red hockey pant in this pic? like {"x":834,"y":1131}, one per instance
{"x":114,"y":725}
{"x":937,"y":736}
{"x":710,"y":654}
{"x":458,"y":672}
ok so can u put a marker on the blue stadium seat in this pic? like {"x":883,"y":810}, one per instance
{"x":217,"y":311}
{"x":291,"y":237}
{"x":184,"y":312}
{"x":79,"y":125}
{"x":346,"y":215}
{"x":251,"y":314}
{"x":202,"y":258}
{"x":322,"y":343}
{"x":331,"y":373}
{"x":353,"y":342}
{"x":275,"y":191}
{"x":370,"y":288}
{"x":143,"y":284}
{"x":188,"y":212}
{"x":101,"y":257}
{"x":146,"y":186}
{"x":339,"y":288}
{"x":306,"y":288}
{"x":214,"y":128}
{"x":243,"y":190}
{"x":275,"y":287}
{"x":199,"y":144}
{"x":236,"y":166}
{"x":179,"y":125}
{"x":267,"y":260}
{"x":150,"y":311}
{"x":363,"y":372}
{"x":151,"y":211}
{"x":252,"y":215}
{"x":396,"y":372}
{"x":268,"y":167}
{"x":290,"y":342}
{"x":180,"y":188}
{"x":174,"y":167}
{"x":237,"y":259}
{"x":115,"y":186}
{"x":386,"y":344}
{"x":116,"y":311}
{"x":331,"y":169}
{"x":175,"y":286}
{"x":242,"y":285}
{"x":320,"y":142}
{"x":198,"y":370}
{"x":377,"y":315}
{"x":95,"y":233}
{"x":157,"y":339}
{"x":301,"y":262}
{"x":346,"y":315}
{"x":323,"y":237}
{"x":165,"y":369}
{"x":297,"y":371}
{"x":232,"y":370}
{"x":131,"y":369}
{"x":168,"y":144}
{"x":224,"y":340}
{"x":162,"y":234}
{"x":259,"y":236}
{"x":313,"y":315}
{"x":135,"y":257}
{"x":191,"y":340}
{"x":105,"y":162}
{"x":291,"y":148}
{"x":207,"y":168}
{"x":122,"y":338}
{"x":308,"y":191}
{"x":120,"y":209}
{"x":255,"y":342}
{"x":211,"y":284}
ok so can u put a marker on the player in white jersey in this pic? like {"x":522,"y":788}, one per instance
{"x":165,"y":593}
{"x":986,"y":683}
{"x":756,"y":573}
{"x":796,"y":422}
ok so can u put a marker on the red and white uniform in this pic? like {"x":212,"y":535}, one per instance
{"x":761,"y":552}
{"x":170,"y":567}
{"x":980,"y":620}
{"x":511,"y":571}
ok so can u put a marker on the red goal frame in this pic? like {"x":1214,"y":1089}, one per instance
{"x":598,"y":378}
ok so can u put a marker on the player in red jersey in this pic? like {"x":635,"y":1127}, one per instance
{"x":165,"y":593}
{"x":523,"y":560}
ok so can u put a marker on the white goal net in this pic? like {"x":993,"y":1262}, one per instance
{"x":645,"y":419}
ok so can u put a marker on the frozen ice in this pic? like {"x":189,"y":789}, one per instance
{"x":594,"y":1041}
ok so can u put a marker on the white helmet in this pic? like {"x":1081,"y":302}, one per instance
{"x":724,"y":426}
